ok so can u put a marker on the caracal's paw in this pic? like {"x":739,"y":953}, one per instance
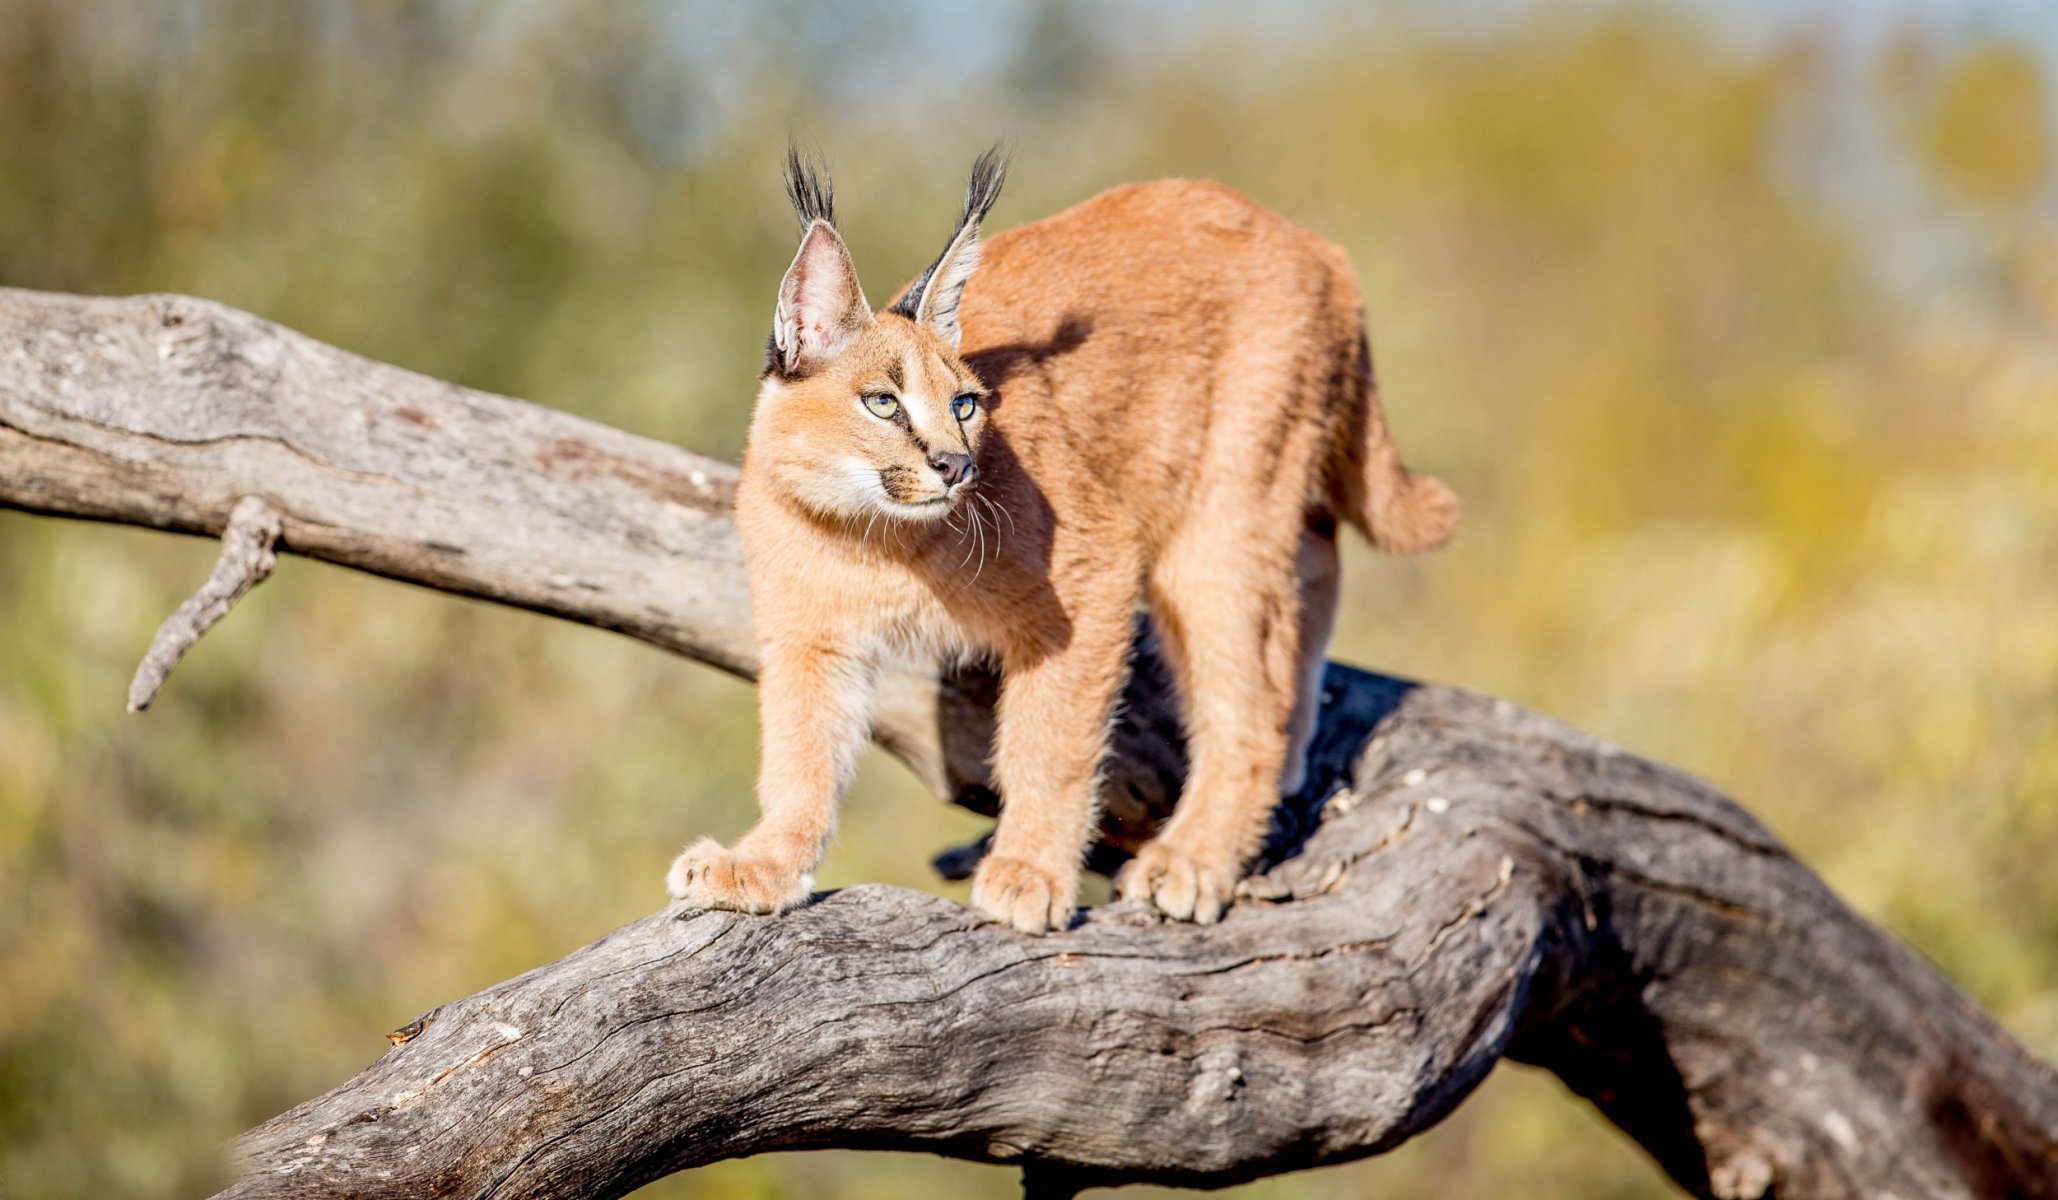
{"x":1181,"y":884}
{"x":710,"y":875}
{"x":1017,"y":892}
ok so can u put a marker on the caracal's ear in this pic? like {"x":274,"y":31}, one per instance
{"x":821,"y":307}
{"x":933,"y":299}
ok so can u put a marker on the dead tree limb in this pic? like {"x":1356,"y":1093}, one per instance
{"x":247,"y":560}
{"x":1462,"y":881}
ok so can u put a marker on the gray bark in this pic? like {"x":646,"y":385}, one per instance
{"x":1461,"y":882}
{"x":249,"y":542}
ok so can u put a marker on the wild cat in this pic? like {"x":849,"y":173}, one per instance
{"x":1161,"y":396}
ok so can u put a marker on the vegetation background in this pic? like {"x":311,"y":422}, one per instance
{"x":1735,"y":323}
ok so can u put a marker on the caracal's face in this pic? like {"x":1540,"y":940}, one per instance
{"x":889,"y":428}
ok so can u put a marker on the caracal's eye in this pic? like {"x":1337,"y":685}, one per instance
{"x":964,"y":408}
{"x":882,"y":407}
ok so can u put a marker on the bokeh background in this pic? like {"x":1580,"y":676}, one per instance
{"x":1735,"y":322}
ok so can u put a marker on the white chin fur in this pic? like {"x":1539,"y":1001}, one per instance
{"x":934,"y":510}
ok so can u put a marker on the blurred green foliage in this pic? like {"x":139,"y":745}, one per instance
{"x":1738,"y":339}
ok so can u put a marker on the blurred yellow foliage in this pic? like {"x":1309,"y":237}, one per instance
{"x":1748,"y":374}
{"x":1988,"y":130}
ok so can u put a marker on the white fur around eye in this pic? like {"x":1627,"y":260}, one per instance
{"x":931,"y":418}
{"x":920,"y":412}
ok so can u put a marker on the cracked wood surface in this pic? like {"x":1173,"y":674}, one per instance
{"x":1479,"y":884}
{"x":1462,"y":881}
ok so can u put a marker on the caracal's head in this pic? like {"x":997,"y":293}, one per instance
{"x":861,"y":414}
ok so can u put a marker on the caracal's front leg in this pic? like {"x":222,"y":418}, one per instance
{"x":1051,"y":736}
{"x":814,"y":704}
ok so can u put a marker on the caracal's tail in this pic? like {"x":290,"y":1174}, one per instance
{"x":1401,"y":512}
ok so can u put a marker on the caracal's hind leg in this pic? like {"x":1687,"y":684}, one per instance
{"x":1321,"y":580}
{"x":1226,"y":596}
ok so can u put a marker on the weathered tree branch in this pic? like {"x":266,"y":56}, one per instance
{"x":1462,"y":881}
{"x":247,"y":559}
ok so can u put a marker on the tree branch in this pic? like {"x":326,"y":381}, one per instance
{"x":246,"y":561}
{"x":1461,"y":882}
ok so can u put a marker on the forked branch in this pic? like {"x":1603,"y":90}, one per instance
{"x":1462,"y":882}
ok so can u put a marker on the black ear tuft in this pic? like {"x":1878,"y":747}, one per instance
{"x":981,"y":190}
{"x":809,"y":188}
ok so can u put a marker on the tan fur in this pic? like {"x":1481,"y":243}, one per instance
{"x":1176,"y":404}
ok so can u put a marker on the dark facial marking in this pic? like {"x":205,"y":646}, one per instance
{"x":896,"y":481}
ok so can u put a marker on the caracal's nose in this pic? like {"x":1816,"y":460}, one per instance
{"x":953,"y":469}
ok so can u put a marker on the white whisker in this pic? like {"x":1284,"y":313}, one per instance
{"x":980,"y":527}
{"x":978,"y":541}
{"x":996,"y":505}
{"x":965,"y":535}
{"x":997,"y":548}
